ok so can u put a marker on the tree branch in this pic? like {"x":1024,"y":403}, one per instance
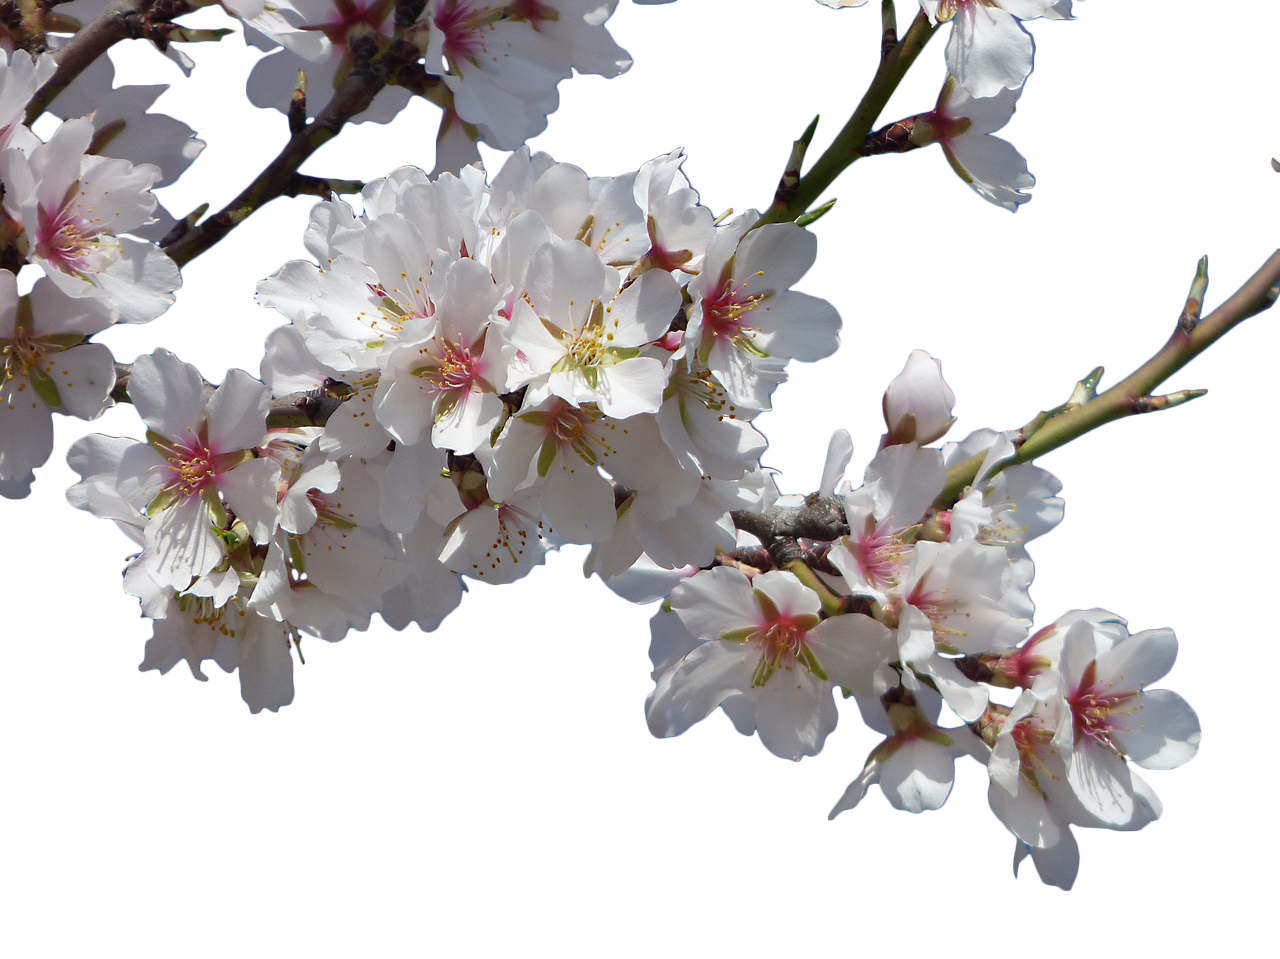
{"x":792,"y":200}
{"x":1132,"y":395}
{"x":90,"y":42}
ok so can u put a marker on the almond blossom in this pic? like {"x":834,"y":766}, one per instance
{"x":199,"y":450}
{"x":899,"y":486}
{"x":503,"y":60}
{"x":763,"y":642}
{"x":582,"y":331}
{"x":746,"y":322}
{"x":963,"y":126}
{"x":75,"y":209}
{"x":45,"y":367}
{"x":989,"y":49}
{"x":1115,"y":718}
{"x":917,"y":404}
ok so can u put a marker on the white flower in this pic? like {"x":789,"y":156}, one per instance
{"x":970,"y":595}
{"x":577,"y":327}
{"x":705,"y":429}
{"x":746,"y":322}
{"x":915,"y":764}
{"x":74,"y":208}
{"x":499,"y":542}
{"x":760,"y":640}
{"x":989,"y":49}
{"x":1030,"y":789}
{"x":918,"y":402}
{"x":899,"y":486}
{"x":1011,"y":507}
{"x":234,"y":637}
{"x":199,"y":451}
{"x":963,"y":125}
{"x":448,"y":384}
{"x":1114,"y":717}
{"x":45,"y":366}
{"x":503,"y":60}
{"x":21,"y":75}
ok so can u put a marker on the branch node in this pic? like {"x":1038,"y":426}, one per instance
{"x":1190,"y":317}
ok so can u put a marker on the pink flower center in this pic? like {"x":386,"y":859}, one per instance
{"x":1034,"y":741}
{"x":453,"y":369}
{"x":723,"y":313}
{"x":21,"y":355}
{"x":68,"y":243}
{"x":878,"y":553}
{"x":461,"y":25}
{"x":1093,"y":705}
{"x":351,"y":15}
{"x":192,"y":470}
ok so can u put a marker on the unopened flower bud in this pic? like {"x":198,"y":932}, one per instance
{"x":917,"y":404}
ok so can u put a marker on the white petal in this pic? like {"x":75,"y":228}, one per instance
{"x":26,"y":437}
{"x":988,"y":51}
{"x":1139,"y":660}
{"x":169,"y":394}
{"x":918,"y":775}
{"x":839,"y":453}
{"x":266,"y":665}
{"x":128,"y":466}
{"x":993,"y":167}
{"x":696,"y":685}
{"x":795,"y":712}
{"x":783,"y":251}
{"x":1163,"y":732}
{"x":1100,"y":780}
{"x":85,"y":376}
{"x":237,"y":413}
{"x":181,"y":544}
{"x":714,"y":602}
{"x":250,"y":490}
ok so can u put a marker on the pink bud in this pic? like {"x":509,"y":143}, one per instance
{"x":917,"y":404}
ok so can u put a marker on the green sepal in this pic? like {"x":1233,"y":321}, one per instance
{"x":24,"y":319}
{"x":740,"y":635}
{"x":806,"y":621}
{"x":538,"y":418}
{"x":767,"y":606}
{"x":45,"y":387}
{"x":162,"y":501}
{"x":446,"y":406}
{"x":235,"y":537}
{"x":810,"y":662}
{"x":229,"y":461}
{"x":760,"y":675}
{"x":217,"y":511}
{"x":156,"y":441}
{"x":546,"y":456}
{"x":63,"y":341}
{"x":748,"y":345}
{"x":583,"y":449}
{"x":296,"y":556}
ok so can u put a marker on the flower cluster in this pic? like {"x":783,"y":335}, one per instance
{"x":500,"y":60}
{"x":476,"y":372}
{"x":925,"y":603}
{"x":549,"y":359}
